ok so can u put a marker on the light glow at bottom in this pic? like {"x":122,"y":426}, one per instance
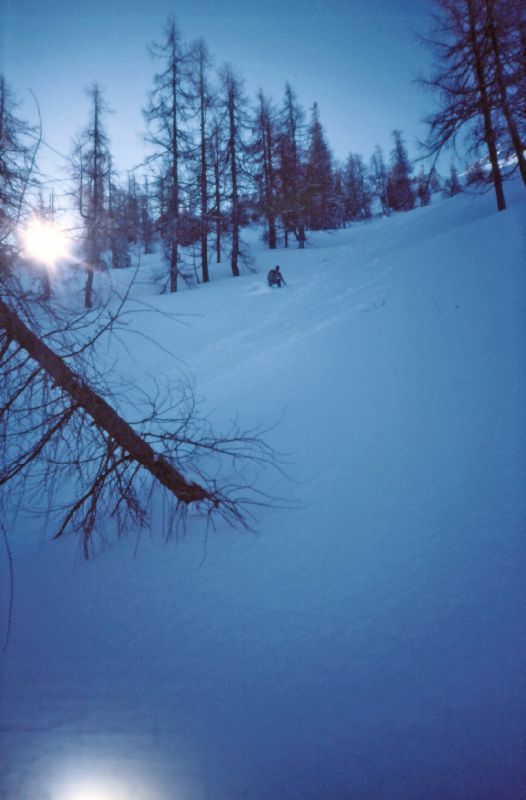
{"x":103,"y":786}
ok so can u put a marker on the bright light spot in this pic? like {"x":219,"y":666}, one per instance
{"x":113,"y":780}
{"x":100,"y":789}
{"x":44,"y":242}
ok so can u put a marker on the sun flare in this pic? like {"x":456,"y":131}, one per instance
{"x":44,"y":242}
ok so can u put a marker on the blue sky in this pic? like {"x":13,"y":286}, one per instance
{"x":357,"y":59}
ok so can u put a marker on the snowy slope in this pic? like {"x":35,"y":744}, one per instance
{"x":370,"y":642}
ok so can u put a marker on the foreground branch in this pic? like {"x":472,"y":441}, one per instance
{"x":100,"y":411}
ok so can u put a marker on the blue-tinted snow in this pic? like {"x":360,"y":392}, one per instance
{"x":370,"y":642}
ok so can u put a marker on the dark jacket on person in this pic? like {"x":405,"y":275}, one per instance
{"x":275,"y":278}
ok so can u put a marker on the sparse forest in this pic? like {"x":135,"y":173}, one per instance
{"x":217,"y":160}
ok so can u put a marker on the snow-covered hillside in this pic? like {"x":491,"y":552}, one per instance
{"x":369,"y":643}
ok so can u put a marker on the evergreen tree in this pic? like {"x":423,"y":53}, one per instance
{"x":465,"y":78}
{"x":502,"y":21}
{"x":475,"y":174}
{"x":146,"y":221}
{"x":435,"y":181}
{"x":338,"y":199}
{"x":452,"y":185}
{"x":356,"y":189}
{"x":203,"y":102}
{"x":291,"y":169}
{"x":319,"y":177}
{"x":233,"y":103}
{"x":17,"y":154}
{"x":399,"y":190}
{"x":133,"y":210}
{"x":265,"y":138}
{"x":91,"y":169}
{"x":378,"y":179}
{"x":217,"y":149}
{"x":118,"y":224}
{"x":423,"y":187}
{"x":165,"y":116}
{"x":46,"y":214}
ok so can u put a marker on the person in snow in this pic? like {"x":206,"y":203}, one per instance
{"x":275,"y":278}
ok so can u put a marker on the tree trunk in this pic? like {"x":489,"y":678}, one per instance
{"x":301,"y":236}
{"x":485,"y":106}
{"x":173,"y":264}
{"x":217,"y":209}
{"x":103,"y":415}
{"x":88,"y":301}
{"x":174,"y":210}
{"x":46,"y":285}
{"x":235,"y":196}
{"x":272,"y":238}
{"x":518,"y":146}
{"x":204,"y":193}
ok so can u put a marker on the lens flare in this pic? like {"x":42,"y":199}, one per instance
{"x":44,"y":242}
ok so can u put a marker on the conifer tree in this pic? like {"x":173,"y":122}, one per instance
{"x":291,"y":170}
{"x":378,"y":179}
{"x":505,"y":24}
{"x":468,"y":50}
{"x":265,"y":139}
{"x":146,"y":221}
{"x":475,"y":174}
{"x":356,"y":189}
{"x":118,"y":224}
{"x":452,"y":185}
{"x":91,"y":169}
{"x":319,"y":177}
{"x":234,"y":104}
{"x":165,"y":115}
{"x":203,"y":102}
{"x":399,"y":190}
{"x":18,"y":146}
{"x":132,"y":210}
{"x":217,"y":157}
{"x":423,"y":187}
{"x":338,"y":199}
{"x":46,"y":214}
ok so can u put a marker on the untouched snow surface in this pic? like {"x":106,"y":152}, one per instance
{"x":370,"y":642}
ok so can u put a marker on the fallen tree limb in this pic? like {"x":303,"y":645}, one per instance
{"x":100,"y":411}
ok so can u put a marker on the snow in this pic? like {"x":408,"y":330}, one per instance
{"x":370,"y":640}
